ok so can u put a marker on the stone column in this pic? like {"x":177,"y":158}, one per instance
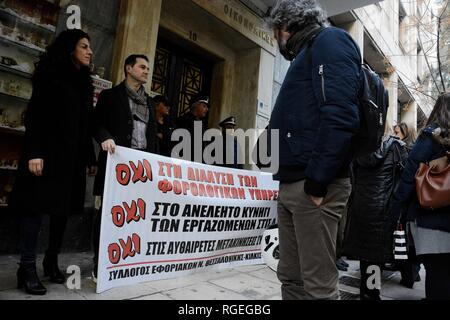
{"x":246,"y":87}
{"x":222,"y":93}
{"x":409,"y":114}
{"x":266,"y":83}
{"x":137,"y":33}
{"x":391,"y":84}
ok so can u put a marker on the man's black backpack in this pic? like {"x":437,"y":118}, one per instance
{"x":373,"y":108}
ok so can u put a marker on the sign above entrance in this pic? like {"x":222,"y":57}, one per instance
{"x":242,"y":20}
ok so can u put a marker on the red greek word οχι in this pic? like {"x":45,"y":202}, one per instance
{"x":123,"y":250}
{"x":128,"y":213}
{"x":141,"y":172}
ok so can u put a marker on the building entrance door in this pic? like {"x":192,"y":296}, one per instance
{"x":180,"y":74}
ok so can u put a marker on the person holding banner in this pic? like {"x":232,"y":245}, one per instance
{"x":124,"y":116}
{"x":58,"y":148}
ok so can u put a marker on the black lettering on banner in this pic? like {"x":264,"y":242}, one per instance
{"x":178,"y":267}
{"x":165,"y":209}
{"x":255,"y":212}
{"x":165,"y":225}
{"x":156,"y":248}
{"x":129,"y":273}
{"x":253,"y":256}
{"x":189,"y":247}
{"x":207,"y":211}
{"x":237,"y":243}
{"x":218,"y":225}
{"x":225,"y":259}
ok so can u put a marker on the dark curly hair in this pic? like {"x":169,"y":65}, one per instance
{"x":57,"y":62}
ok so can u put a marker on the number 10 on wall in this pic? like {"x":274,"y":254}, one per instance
{"x":193,"y":36}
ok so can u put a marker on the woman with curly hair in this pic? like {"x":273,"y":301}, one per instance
{"x":429,"y":230}
{"x":58,"y":148}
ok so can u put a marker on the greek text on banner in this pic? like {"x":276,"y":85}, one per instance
{"x":164,"y":218}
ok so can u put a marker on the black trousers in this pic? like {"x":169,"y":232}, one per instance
{"x":437,"y":282}
{"x":30,"y":226}
{"x":409,"y":270}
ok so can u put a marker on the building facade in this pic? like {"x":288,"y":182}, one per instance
{"x":222,"y":48}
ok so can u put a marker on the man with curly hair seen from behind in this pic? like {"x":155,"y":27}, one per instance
{"x":317,"y":116}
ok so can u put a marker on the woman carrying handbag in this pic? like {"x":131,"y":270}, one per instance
{"x":429,"y":228}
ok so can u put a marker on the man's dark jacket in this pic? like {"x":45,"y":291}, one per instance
{"x":317,"y":111}
{"x":113,"y":120}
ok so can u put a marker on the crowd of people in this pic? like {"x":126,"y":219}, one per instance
{"x":60,"y":125}
{"x":317,"y":116}
{"x":322,"y":180}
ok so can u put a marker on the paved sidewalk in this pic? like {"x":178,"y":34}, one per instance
{"x":244,"y":283}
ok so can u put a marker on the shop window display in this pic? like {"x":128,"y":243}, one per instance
{"x":26,"y":28}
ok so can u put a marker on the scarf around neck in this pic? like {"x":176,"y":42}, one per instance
{"x":139,"y":107}
{"x":299,"y":39}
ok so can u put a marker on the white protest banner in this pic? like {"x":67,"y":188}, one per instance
{"x":164,"y":218}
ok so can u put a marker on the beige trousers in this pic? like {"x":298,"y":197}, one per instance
{"x":307,"y":267}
